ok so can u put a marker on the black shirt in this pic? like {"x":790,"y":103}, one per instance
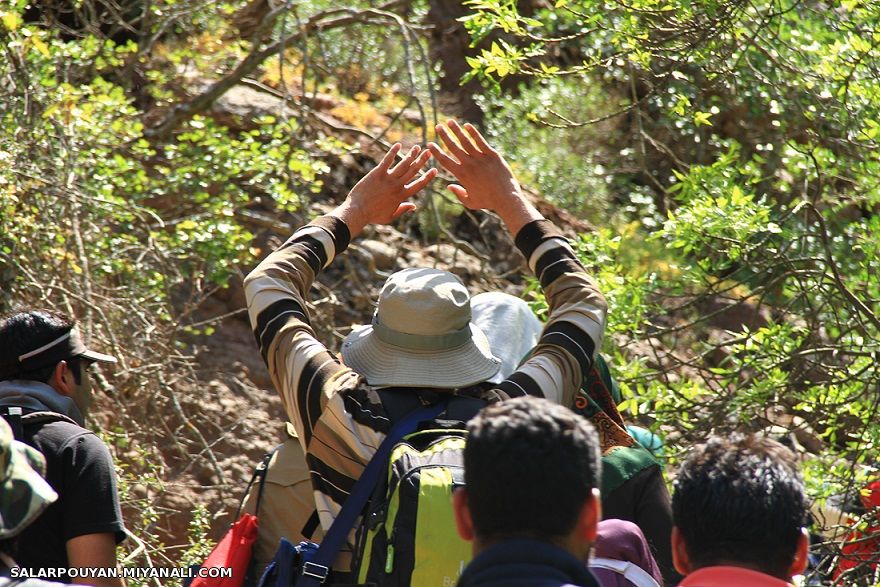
{"x":644,"y":500}
{"x":80,"y":469}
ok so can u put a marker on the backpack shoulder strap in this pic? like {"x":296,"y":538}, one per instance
{"x":45,"y":416}
{"x":17,"y":419}
{"x":308,"y":529}
{"x":633,"y":573}
{"x":399,"y":402}
{"x":316,"y":570}
{"x":259,"y":476}
{"x":12,"y":415}
{"x":462,"y":408}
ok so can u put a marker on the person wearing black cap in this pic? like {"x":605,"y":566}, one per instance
{"x":45,"y":395}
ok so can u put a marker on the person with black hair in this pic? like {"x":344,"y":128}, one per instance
{"x":531,"y":502}
{"x":739,"y":509}
{"x":45,"y":395}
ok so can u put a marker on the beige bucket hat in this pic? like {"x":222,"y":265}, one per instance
{"x":421,"y":335}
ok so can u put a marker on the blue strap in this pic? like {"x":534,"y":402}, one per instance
{"x":317,"y":569}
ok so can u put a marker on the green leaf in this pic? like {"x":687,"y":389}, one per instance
{"x":702,"y":118}
{"x":11,"y":20}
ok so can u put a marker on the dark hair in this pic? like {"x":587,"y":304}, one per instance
{"x":740,"y":499}
{"x":530,"y":465}
{"x":28,"y":330}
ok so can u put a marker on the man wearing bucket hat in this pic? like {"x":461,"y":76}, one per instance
{"x":24,"y":494}
{"x":45,"y":395}
{"x":421,"y":337}
{"x":286,"y":503}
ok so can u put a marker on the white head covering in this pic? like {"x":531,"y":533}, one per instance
{"x":510,"y":325}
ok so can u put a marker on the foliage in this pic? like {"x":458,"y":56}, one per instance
{"x":565,"y":165}
{"x":131,"y":235}
{"x":746,"y":297}
{"x":139,"y":476}
{"x":200,"y":543}
{"x":128,"y":197}
{"x":689,"y":76}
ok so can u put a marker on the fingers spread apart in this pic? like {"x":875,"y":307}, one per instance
{"x":417,"y":184}
{"x":414,"y":167}
{"x":443,"y":158}
{"x":448,"y":140}
{"x":404,"y":166}
{"x":388,"y":159}
{"x":461,"y":143}
{"x":481,"y":143}
{"x":464,"y":140}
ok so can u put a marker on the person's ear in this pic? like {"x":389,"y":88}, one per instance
{"x":463,"y":522}
{"x":680,"y":559}
{"x":62,"y":379}
{"x":589,"y":517}
{"x":801,"y":555}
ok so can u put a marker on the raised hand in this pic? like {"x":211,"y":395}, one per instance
{"x":380,"y":196}
{"x":485,"y":179}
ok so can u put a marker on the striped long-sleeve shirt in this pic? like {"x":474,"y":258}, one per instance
{"x":338,"y":416}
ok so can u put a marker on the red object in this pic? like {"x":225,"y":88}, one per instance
{"x":871,"y":497}
{"x":232,"y":552}
{"x":860,"y":548}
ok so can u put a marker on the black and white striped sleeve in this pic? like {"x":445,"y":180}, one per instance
{"x":576,"y":323}
{"x":276,"y":290}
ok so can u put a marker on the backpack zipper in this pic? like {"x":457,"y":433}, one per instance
{"x":389,"y":556}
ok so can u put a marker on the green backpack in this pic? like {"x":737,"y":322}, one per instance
{"x":408,"y":536}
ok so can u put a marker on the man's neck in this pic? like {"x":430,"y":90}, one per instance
{"x":575,"y":548}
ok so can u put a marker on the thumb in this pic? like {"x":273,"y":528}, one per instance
{"x":403,"y":209}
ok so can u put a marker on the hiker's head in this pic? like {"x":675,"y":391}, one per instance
{"x":421,"y":335}
{"x":511,"y":327}
{"x":532,"y":470}
{"x":45,"y":346}
{"x":24,"y":494}
{"x":740,"y":501}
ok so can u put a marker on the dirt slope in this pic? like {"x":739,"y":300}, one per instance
{"x":234,"y":415}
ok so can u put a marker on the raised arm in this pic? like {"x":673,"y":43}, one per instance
{"x":486,"y":181}
{"x":576,"y":322}
{"x":304,"y":372}
{"x":382,"y":194}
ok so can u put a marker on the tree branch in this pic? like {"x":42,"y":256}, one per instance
{"x":198,"y":104}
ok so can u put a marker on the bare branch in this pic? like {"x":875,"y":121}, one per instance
{"x":322,"y":21}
